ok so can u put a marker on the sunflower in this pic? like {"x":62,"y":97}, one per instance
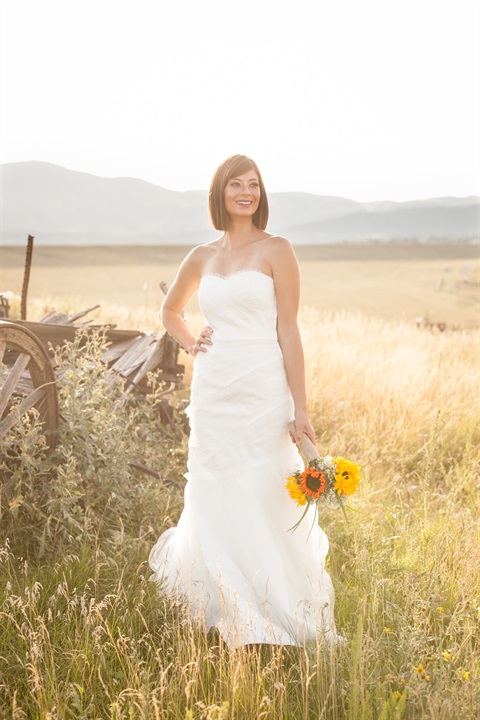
{"x":347,"y":476}
{"x":295,"y":492}
{"x":313,"y":482}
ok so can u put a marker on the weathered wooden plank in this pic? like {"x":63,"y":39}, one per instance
{"x":56,"y":319}
{"x":58,"y":334}
{"x":81,"y":314}
{"x":25,"y":385}
{"x":152,"y":361}
{"x":25,"y":343}
{"x":132,"y":368}
{"x":116,"y":350}
{"x":12,"y":418}
{"x":50,"y":332}
{"x":134,"y":356}
{"x":12,"y":379}
{"x":32,"y":357}
{"x":26,"y":277}
{"x":3,"y":345}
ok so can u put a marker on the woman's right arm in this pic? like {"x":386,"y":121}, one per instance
{"x":186,"y":282}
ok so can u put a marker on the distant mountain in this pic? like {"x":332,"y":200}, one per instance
{"x":64,"y":207}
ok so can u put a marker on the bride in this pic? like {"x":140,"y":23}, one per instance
{"x":232,"y":558}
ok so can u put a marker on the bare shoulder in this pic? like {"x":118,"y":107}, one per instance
{"x":280,"y":243}
{"x":197,"y":258}
{"x":280,"y":253}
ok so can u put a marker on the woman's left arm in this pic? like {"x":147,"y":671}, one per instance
{"x":286,"y":276}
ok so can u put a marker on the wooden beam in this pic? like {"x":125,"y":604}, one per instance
{"x":17,"y":369}
{"x":26,"y":278}
{"x":26,"y":405}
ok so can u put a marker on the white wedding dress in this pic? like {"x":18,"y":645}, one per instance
{"x":233,"y":557}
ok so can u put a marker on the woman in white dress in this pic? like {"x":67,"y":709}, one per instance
{"x":232,"y":557}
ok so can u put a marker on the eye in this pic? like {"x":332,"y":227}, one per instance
{"x":234,"y":183}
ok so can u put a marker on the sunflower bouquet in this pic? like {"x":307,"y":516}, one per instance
{"x":328,"y":480}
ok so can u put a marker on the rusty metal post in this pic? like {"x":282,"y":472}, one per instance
{"x":26,"y":277}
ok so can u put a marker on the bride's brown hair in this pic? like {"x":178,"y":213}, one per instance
{"x":233,"y":167}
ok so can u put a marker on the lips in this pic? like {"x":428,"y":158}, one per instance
{"x":244,"y":203}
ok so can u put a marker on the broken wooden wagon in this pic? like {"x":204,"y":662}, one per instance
{"x":27,"y":374}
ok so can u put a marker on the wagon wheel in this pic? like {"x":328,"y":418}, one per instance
{"x":26,"y":373}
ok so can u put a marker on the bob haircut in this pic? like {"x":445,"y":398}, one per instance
{"x":233,"y":167}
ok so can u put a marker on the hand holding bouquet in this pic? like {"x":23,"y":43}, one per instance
{"x":329,"y":480}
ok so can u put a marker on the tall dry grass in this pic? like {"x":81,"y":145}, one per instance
{"x":84,"y":634}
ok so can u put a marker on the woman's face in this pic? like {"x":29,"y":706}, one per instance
{"x":242,"y":195}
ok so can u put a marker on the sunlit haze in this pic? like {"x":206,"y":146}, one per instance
{"x":364,"y":100}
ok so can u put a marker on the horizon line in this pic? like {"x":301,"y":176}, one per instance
{"x":269,"y":192}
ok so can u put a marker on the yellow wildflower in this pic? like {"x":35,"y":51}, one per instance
{"x":388,"y":630}
{"x":420,"y":669}
{"x":446,"y":655}
{"x":347,"y":476}
{"x":295,"y":492}
{"x":466,"y":675}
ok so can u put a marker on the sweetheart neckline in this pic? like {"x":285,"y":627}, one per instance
{"x":237,"y":272}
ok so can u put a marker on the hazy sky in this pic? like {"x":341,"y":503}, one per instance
{"x":366,"y":100}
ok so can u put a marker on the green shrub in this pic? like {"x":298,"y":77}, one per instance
{"x":89,"y":484}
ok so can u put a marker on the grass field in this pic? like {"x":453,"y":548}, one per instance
{"x":396,"y":281}
{"x":85,"y":636}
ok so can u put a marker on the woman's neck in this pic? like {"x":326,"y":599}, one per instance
{"x":240,"y":233}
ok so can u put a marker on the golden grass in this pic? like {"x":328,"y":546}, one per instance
{"x":399,"y":281}
{"x":88,"y":637}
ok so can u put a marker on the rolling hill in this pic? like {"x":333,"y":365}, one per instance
{"x":65,"y":207}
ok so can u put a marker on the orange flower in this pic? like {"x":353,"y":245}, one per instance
{"x":313,"y":483}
